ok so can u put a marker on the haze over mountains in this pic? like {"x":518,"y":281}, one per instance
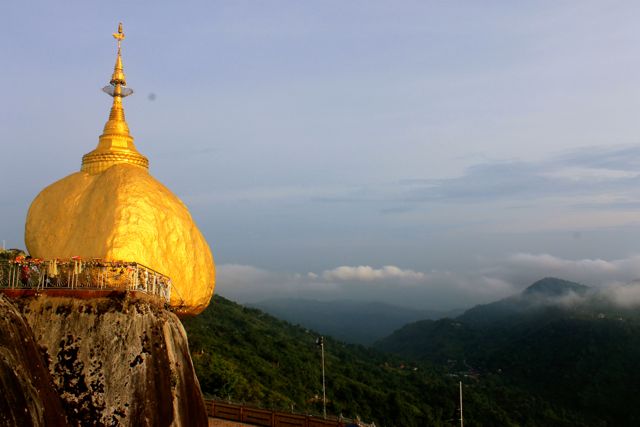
{"x":347,"y":320}
{"x":362,"y":322}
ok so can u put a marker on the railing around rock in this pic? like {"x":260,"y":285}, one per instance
{"x":81,"y":274}
{"x":268,"y":418}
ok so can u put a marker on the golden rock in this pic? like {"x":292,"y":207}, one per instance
{"x":113,"y":209}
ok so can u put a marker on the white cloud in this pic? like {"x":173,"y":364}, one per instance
{"x":437,"y":289}
{"x":595,"y":272}
{"x":241,"y":274}
{"x":366,"y":273}
{"x":546,"y":261}
{"x":625,"y":296}
{"x":246,"y":283}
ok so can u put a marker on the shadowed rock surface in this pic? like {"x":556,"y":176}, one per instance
{"x":116,"y":361}
{"x":27,"y":393}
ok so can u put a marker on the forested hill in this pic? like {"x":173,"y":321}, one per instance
{"x":557,"y":340}
{"x":246,"y":355}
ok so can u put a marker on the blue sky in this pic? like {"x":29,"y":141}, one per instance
{"x":432,"y":154}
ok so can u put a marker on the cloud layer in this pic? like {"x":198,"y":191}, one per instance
{"x":366,"y":273}
{"x":593,"y":272}
{"x":605,"y":177}
{"x":434,"y":289}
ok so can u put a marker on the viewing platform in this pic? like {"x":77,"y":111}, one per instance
{"x":78,"y":277}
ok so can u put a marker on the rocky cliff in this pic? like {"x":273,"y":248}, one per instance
{"x":28,"y":395}
{"x":115,"y":361}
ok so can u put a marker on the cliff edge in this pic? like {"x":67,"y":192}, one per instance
{"x":112,"y":361}
{"x":28,"y":395}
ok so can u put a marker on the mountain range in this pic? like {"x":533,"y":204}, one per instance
{"x":557,"y":340}
{"x":350,"y":321}
{"x":525,"y":368}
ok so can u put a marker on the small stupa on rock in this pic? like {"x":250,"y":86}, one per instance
{"x":114,"y":210}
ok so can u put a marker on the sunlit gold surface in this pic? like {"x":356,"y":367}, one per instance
{"x":115,"y":210}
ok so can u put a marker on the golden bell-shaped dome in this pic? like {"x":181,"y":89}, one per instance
{"x":113,"y":209}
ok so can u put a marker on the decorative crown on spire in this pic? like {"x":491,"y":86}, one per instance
{"x":118,"y":73}
{"x":115,"y":144}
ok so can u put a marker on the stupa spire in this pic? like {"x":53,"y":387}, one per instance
{"x":116,"y":143}
{"x":118,"y":72}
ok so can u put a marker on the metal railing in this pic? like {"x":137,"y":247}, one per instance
{"x":239,"y":412}
{"x":83,"y":274}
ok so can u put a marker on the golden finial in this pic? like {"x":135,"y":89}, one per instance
{"x":118,"y":72}
{"x":116,"y":144}
{"x":119,"y":35}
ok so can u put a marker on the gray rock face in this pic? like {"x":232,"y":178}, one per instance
{"x":28,"y":396}
{"x":116,"y":361}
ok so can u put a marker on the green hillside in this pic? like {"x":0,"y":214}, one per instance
{"x":246,"y":355}
{"x":581,"y":355}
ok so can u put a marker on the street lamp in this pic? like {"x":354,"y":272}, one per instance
{"x":320,"y":342}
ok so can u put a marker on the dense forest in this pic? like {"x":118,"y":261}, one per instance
{"x":557,"y":340}
{"x":245,"y":355}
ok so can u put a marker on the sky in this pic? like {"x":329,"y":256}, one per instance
{"x":427,"y":154}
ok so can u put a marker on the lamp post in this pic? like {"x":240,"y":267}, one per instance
{"x":320,"y":342}
{"x":461,"y":418}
